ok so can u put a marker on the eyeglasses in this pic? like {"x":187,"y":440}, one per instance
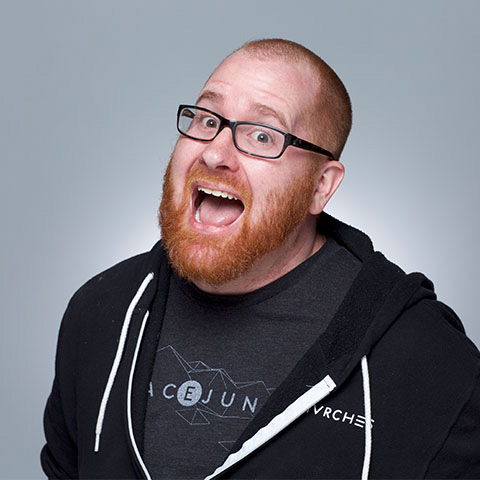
{"x":251,"y":138}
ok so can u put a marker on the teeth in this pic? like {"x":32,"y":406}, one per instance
{"x":217,"y":193}
{"x":197,"y":216}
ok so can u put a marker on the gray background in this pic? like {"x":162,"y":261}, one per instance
{"x":88,"y":95}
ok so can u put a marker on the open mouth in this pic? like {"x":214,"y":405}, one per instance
{"x":216,"y":208}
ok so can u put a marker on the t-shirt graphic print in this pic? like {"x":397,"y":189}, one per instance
{"x":201,"y":409}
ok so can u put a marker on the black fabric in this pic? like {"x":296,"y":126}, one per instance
{"x":246,"y":346}
{"x":417,"y":371}
{"x":461,"y":441}
{"x":423,"y":376}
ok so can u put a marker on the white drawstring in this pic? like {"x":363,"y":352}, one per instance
{"x":129,"y":399}
{"x":118,"y":357}
{"x":368,"y":418}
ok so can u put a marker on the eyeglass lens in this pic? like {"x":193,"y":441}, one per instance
{"x":251,"y":138}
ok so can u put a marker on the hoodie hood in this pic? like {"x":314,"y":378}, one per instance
{"x":378,"y":297}
{"x":379,"y":294}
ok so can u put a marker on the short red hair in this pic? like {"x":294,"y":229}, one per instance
{"x":329,"y":120}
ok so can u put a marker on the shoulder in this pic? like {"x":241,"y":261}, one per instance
{"x":443,"y":368}
{"x":111,"y":291}
{"x":429,"y":332}
{"x":115,"y":278}
{"x":426,"y":360}
{"x":423,"y":373}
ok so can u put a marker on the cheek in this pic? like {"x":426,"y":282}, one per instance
{"x":277,"y":181}
{"x":272,"y":179}
{"x":186,"y":151}
{"x":263,"y":185}
{"x":262,"y":176}
{"x":183,"y":157}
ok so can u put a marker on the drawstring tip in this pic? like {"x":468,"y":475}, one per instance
{"x":97,"y":443}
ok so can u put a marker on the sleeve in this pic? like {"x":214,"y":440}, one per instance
{"x":459,"y":456}
{"x":59,"y":455}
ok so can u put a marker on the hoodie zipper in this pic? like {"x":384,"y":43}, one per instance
{"x":129,"y":401}
{"x":297,"y":408}
{"x":114,"y":370}
{"x":278,"y":423}
{"x":116,"y":361}
{"x":306,"y":401}
{"x":275,"y":426}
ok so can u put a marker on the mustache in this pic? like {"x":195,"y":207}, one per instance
{"x":229,"y":180}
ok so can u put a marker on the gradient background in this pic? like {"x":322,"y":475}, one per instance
{"x":88,"y":96}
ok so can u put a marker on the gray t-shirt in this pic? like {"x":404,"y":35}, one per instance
{"x":219,"y":358}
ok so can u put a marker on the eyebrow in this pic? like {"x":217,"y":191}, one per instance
{"x":209,"y":95}
{"x":257,"y":107}
{"x":266,"y":110}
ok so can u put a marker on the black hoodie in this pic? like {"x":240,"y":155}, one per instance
{"x":390,"y":390}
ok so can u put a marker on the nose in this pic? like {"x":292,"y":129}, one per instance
{"x":221,"y":153}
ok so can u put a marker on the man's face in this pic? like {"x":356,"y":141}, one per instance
{"x":214,"y":239}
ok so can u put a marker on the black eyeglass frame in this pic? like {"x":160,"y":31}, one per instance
{"x":224,"y":122}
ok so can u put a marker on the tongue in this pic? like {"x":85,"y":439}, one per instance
{"x":219,"y":211}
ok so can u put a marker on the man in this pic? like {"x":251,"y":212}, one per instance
{"x":261,"y":338}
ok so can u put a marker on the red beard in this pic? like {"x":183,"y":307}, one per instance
{"x":218,"y":259}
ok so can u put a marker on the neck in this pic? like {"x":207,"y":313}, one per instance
{"x":300,"y":245}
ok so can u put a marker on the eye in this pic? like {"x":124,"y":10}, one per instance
{"x":210,"y":122}
{"x":186,"y":112}
{"x":261,"y":137}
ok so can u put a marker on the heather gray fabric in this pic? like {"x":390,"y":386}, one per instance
{"x":220,"y":357}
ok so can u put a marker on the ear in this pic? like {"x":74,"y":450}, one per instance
{"x":330,"y":176}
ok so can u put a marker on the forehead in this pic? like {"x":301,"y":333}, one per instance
{"x":244,"y":86}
